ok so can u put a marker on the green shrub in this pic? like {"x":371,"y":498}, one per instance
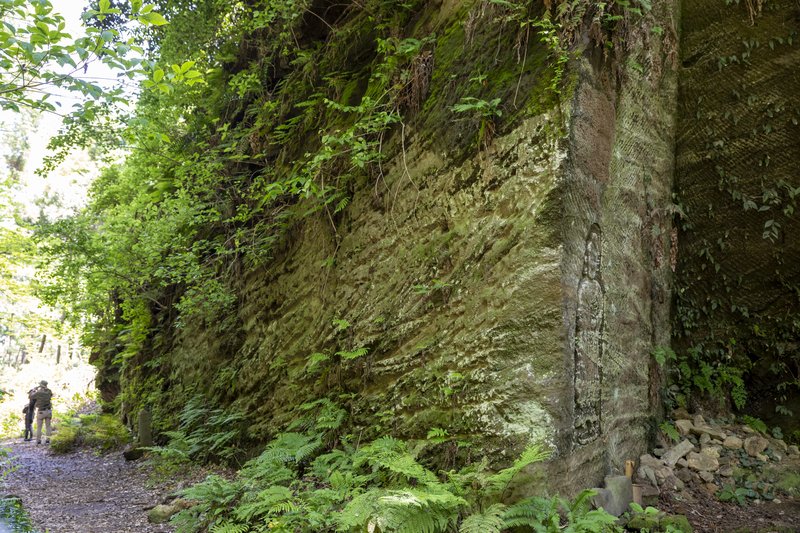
{"x":100,"y":431}
{"x":66,"y":438}
{"x":11,"y":425}
{"x":317,"y":480}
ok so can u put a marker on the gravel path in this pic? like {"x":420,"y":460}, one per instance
{"x":81,"y":492}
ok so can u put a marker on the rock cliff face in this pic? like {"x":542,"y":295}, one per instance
{"x":507,"y":294}
{"x":737,"y":183}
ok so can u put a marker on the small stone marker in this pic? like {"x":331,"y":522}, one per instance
{"x":620,"y":494}
{"x":145,"y":424}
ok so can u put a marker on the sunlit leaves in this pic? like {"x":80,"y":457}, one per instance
{"x":38,"y":58}
{"x":165,"y":81}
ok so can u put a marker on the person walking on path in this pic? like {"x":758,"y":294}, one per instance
{"x":42,"y":397}
{"x":28,"y":411}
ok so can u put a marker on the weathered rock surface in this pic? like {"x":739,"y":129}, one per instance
{"x":702,"y":462}
{"x":755,"y":445}
{"x":733,"y":442}
{"x":676,"y":452}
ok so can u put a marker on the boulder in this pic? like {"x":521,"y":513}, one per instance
{"x":708,"y":477}
{"x":684,"y":427}
{"x":649,"y":460}
{"x":673,"y":483}
{"x":676,"y":452}
{"x":133,"y":454}
{"x":698,"y":420}
{"x":732,"y":442}
{"x":647,"y":474}
{"x":726,"y":471}
{"x":681,"y":414}
{"x":755,"y":445}
{"x":662,"y":474}
{"x":684,"y":475}
{"x":711,"y":431}
{"x":793,"y":450}
{"x":711,"y":451}
{"x":702,"y":462}
{"x":161,"y":514}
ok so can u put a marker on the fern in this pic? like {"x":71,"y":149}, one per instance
{"x":264,"y":504}
{"x":539,"y":514}
{"x":670,"y":431}
{"x":230,"y":527}
{"x":490,"y":521}
{"x":391,"y":455}
{"x":349,"y":355}
{"x":428,"y":510}
{"x":498,"y":482}
{"x":582,"y":519}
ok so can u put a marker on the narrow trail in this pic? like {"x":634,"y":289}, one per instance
{"x":81,"y":492}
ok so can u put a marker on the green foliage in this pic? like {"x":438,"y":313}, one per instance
{"x":11,"y":425}
{"x":13,"y":513}
{"x":670,"y":431}
{"x":317,"y":480}
{"x":204,"y":435}
{"x":737,"y":494}
{"x":101,"y":431}
{"x":755,"y":423}
{"x":691,"y":372}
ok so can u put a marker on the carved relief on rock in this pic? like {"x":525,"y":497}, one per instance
{"x":589,"y":344}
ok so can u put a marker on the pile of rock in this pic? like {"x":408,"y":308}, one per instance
{"x":707,"y":456}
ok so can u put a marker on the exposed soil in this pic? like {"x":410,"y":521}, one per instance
{"x":706,"y":513}
{"x":82,"y":492}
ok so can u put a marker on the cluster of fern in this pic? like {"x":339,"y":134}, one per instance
{"x":312,"y":479}
{"x":205,"y":435}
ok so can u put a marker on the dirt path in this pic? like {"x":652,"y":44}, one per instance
{"x":81,"y":492}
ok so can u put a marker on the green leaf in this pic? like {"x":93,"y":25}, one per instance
{"x":154,"y":18}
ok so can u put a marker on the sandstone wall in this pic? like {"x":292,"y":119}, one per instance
{"x":737,"y":180}
{"x":507,"y":295}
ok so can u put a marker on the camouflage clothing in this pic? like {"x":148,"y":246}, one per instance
{"x":42,"y":397}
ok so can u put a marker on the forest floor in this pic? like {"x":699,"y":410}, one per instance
{"x":82,"y":492}
{"x":725,"y":477}
{"x":707,"y":514}
{"x":87,"y":492}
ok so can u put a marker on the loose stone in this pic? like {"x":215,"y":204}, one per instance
{"x":755,"y":445}
{"x":702,"y":462}
{"x":684,"y":427}
{"x":676,"y":452}
{"x":732,"y":442}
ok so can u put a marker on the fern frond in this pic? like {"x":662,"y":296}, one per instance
{"x":393,"y":456}
{"x":489,"y":521}
{"x":532,"y":454}
{"x":582,"y":501}
{"x":419,"y":510}
{"x":539,"y":514}
{"x":230,"y":527}
{"x":263,"y":504}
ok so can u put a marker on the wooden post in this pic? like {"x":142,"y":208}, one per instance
{"x":58,"y":354}
{"x":41,"y":345}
